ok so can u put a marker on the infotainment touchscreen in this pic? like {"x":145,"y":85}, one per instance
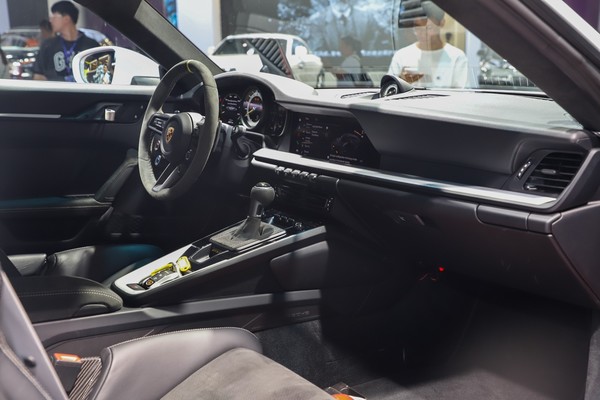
{"x":334,"y":139}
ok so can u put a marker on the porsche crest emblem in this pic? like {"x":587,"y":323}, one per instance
{"x":169,"y":135}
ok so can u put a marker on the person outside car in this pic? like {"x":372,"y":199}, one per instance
{"x":430,"y":61}
{"x":56,"y":53}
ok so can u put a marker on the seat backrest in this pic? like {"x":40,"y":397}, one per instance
{"x":7,"y":265}
{"x":26,"y":369}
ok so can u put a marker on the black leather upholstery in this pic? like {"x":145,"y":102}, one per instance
{"x":29,"y":264}
{"x":102,"y":264}
{"x":219,"y":363}
{"x":48,"y":298}
{"x":71,"y":284}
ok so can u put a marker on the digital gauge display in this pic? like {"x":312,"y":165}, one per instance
{"x":333,"y":139}
{"x":252,"y":108}
{"x":255,"y":109}
{"x":231,"y":109}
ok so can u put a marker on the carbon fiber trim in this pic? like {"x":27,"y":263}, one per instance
{"x":86,"y":379}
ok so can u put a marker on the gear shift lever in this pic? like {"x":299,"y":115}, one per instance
{"x":261,"y":195}
{"x":252,"y":229}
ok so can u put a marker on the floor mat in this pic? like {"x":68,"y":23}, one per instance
{"x":447,"y":342}
{"x":514,"y":347}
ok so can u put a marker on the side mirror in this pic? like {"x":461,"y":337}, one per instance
{"x":210,"y":51}
{"x":114,"y":65}
{"x":301,"y":51}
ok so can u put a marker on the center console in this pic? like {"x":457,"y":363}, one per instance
{"x":249,"y":244}
{"x":285,"y":263}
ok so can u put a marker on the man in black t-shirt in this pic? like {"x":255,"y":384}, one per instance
{"x":56,"y":54}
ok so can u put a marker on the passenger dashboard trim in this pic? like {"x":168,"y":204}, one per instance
{"x":473,"y":192}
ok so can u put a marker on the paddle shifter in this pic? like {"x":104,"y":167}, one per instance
{"x":252,"y":230}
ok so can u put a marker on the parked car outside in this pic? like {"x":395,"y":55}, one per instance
{"x":249,"y":53}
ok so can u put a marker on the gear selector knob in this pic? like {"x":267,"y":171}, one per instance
{"x":261,"y":195}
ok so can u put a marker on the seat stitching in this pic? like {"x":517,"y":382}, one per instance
{"x":39,"y":294}
{"x":185,"y":330}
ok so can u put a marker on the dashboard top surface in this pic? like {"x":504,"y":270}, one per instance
{"x":467,"y":138}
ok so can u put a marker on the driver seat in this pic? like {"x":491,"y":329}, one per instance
{"x":217,"y":363}
{"x":103,"y":264}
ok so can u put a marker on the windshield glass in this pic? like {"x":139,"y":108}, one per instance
{"x":347,"y":43}
{"x":324,"y":43}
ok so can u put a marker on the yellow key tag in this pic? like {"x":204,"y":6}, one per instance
{"x":184,"y":265}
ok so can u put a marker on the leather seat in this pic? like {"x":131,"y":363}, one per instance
{"x":218,"y":363}
{"x":103,"y":264}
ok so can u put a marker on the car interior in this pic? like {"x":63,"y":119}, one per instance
{"x":378,"y":243}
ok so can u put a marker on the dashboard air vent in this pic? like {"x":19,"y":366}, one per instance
{"x":419,"y":96}
{"x":554,"y":173}
{"x":358,"y":94}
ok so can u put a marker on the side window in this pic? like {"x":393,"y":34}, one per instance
{"x":295,"y":44}
{"x":43,"y":45}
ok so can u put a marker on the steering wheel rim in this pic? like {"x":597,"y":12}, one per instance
{"x":175,"y":132}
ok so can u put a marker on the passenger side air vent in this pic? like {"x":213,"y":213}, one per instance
{"x":554,"y":173}
{"x":419,"y":97}
{"x":358,"y":94}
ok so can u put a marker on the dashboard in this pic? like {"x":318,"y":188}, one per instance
{"x":473,"y":181}
{"x":449,"y":139}
{"x":335,"y":139}
{"x":254,"y":108}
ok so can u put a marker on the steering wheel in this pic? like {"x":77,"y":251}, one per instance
{"x":174,"y":148}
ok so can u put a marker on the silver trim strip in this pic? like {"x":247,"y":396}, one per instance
{"x":474,"y":192}
{"x":6,"y":115}
{"x":52,"y":332}
{"x":138,"y":274}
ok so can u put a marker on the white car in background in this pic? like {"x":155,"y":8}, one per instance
{"x":282,"y":54}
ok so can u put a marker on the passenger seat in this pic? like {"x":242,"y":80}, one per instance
{"x":217,"y":363}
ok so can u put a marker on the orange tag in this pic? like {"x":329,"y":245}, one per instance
{"x":341,"y":396}
{"x":70,"y":358}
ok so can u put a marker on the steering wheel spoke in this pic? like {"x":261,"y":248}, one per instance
{"x":169,"y":177}
{"x":174,"y":148}
{"x":158,"y":121}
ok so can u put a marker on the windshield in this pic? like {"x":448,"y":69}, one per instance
{"x":347,"y":43}
{"x":323,"y":43}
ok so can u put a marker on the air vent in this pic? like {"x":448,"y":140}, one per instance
{"x":358,"y":94}
{"x":273,"y":52}
{"x":554,"y":173}
{"x":419,"y":97}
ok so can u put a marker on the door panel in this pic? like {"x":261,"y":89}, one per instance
{"x":61,"y":163}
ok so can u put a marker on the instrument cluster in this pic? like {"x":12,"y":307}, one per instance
{"x":254,"y":108}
